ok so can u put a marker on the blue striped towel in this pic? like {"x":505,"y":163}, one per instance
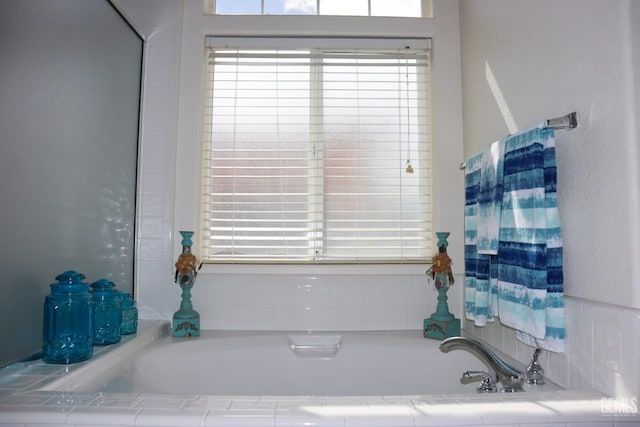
{"x":490,"y":199}
{"x":480,"y":267}
{"x":530,"y":291}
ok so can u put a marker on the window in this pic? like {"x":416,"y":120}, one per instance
{"x":316,"y":154}
{"x":403,"y":8}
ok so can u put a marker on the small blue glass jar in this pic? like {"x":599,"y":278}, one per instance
{"x":68,"y":320}
{"x":129,"y":323}
{"x":107,"y":312}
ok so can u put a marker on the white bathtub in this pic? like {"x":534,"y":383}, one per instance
{"x":292,"y":364}
{"x":276,"y":380}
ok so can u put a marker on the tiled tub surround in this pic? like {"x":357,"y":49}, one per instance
{"x":349,"y":298}
{"x":603,"y":342}
{"x":26,"y":399}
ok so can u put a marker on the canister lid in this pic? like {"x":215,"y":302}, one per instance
{"x":70,"y":281}
{"x":102,"y":285}
{"x":70,"y":277}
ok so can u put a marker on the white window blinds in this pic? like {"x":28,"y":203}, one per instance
{"x":316,"y":154}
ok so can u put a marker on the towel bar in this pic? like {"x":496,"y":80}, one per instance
{"x":568,"y":121}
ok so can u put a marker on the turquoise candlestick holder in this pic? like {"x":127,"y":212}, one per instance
{"x":186,"y":321}
{"x":442,"y":324}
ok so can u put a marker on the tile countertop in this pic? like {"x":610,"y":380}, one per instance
{"x":32,"y":393}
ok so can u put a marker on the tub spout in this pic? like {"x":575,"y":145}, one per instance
{"x":511,"y":378}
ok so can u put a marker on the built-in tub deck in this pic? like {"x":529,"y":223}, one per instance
{"x":33,"y":392}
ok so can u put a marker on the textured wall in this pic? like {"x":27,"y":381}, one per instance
{"x":524,"y":61}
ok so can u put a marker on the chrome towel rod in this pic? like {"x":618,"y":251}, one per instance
{"x":568,"y":121}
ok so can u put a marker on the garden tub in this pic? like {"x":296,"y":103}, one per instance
{"x":291,"y":364}
{"x":278,"y":379}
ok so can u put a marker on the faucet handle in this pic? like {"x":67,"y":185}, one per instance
{"x":534,"y":373}
{"x":487,"y":384}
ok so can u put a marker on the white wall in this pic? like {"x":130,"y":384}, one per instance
{"x":160,"y":23}
{"x":232,"y":297}
{"x":549,"y":58}
{"x":604,"y":339}
{"x":524,"y":61}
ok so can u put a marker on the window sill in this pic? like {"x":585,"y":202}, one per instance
{"x":316,"y":269}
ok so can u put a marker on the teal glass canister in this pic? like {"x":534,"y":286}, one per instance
{"x":68,"y":320}
{"x":129,"y":324}
{"x":107,"y":312}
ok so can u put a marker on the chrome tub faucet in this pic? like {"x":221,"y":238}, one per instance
{"x":534,"y":373}
{"x":511,"y":378}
